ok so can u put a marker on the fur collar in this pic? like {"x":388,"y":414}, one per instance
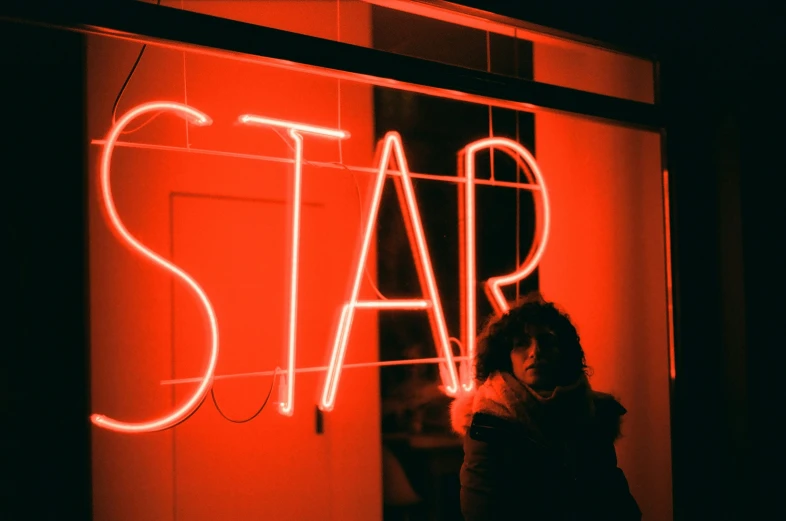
{"x":504,"y":396}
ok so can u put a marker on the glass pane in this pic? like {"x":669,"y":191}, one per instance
{"x":216,"y":205}
{"x":439,"y":33}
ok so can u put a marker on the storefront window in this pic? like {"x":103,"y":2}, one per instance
{"x":222,"y":188}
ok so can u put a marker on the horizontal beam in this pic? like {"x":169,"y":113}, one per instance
{"x":175,"y":27}
{"x":531,"y":21}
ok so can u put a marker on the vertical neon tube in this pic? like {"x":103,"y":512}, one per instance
{"x":172,"y":419}
{"x":494,"y":285}
{"x":471,"y":273}
{"x":287,"y":407}
{"x":669,"y":278}
{"x":295,"y":131}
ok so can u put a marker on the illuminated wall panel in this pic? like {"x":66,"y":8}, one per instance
{"x":606,"y":263}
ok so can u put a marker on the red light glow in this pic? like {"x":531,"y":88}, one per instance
{"x":196,"y":117}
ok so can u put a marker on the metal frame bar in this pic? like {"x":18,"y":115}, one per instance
{"x":527,"y":27}
{"x":169,"y":26}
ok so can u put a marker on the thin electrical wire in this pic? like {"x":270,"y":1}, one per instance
{"x":125,"y":84}
{"x":128,"y":78}
{"x":261,"y":408}
{"x":318,"y":369}
{"x":338,"y":39}
{"x":142,"y":125}
{"x":185,"y":97}
{"x":360,"y":205}
{"x":369,"y":279}
{"x":491,"y":113}
{"x":460,"y":346}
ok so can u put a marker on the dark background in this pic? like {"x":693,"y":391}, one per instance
{"x":722,"y":88}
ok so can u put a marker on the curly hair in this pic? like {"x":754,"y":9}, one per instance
{"x":516,"y":328}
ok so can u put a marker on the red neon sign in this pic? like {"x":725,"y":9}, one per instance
{"x":391,"y":150}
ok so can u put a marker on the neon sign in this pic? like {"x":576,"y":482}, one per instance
{"x":392,"y":150}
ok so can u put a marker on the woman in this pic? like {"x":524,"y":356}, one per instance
{"x":538,"y":441}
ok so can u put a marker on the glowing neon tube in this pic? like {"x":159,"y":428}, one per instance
{"x":167,"y":421}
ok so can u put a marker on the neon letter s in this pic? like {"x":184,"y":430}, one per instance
{"x":180,"y":414}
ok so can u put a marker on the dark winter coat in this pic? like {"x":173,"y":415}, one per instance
{"x":531,"y":458}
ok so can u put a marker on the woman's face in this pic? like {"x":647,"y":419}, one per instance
{"x":535,"y":364}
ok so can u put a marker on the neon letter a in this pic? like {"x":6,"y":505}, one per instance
{"x":391,"y":144}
